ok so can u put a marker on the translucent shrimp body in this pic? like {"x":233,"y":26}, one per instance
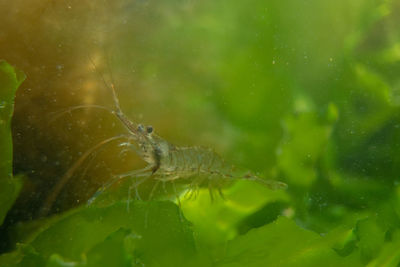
{"x":194,"y":166}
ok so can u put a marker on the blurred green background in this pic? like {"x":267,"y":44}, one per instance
{"x":306,"y":92}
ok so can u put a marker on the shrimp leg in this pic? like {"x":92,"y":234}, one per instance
{"x":194,"y":187}
{"x":153,"y":189}
{"x":135,"y":185}
{"x":145,"y":172}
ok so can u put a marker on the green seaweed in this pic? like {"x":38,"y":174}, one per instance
{"x":283,"y":243}
{"x":307,"y":92}
{"x":10,"y":80}
{"x":151,"y":233}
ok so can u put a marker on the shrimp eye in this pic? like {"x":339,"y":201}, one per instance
{"x":140,"y":128}
{"x":149,"y":129}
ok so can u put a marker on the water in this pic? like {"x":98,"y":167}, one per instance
{"x":302,"y":92}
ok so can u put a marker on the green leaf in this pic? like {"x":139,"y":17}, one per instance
{"x":307,"y":135}
{"x":57,"y":261}
{"x":163,"y":232}
{"x":371,"y":238}
{"x":10,"y":79}
{"x":390,"y":254}
{"x":283,"y":243}
{"x":112,"y":251}
{"x":152,"y":233}
{"x":220,"y":220}
{"x":24,"y":256}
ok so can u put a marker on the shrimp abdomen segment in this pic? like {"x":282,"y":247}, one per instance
{"x":189,"y":161}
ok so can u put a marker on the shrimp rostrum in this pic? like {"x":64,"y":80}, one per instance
{"x":194,"y":166}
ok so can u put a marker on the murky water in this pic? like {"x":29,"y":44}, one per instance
{"x":302,"y":92}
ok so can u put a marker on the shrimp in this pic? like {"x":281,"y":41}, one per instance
{"x":195,"y":166}
{"x":169,"y":163}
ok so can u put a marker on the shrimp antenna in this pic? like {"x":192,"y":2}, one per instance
{"x":111,"y":88}
{"x":131,"y":126}
{"x":55,"y":115}
{"x":116,"y":99}
{"x":48,"y":203}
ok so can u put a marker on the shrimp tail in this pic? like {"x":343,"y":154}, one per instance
{"x":271,"y":184}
